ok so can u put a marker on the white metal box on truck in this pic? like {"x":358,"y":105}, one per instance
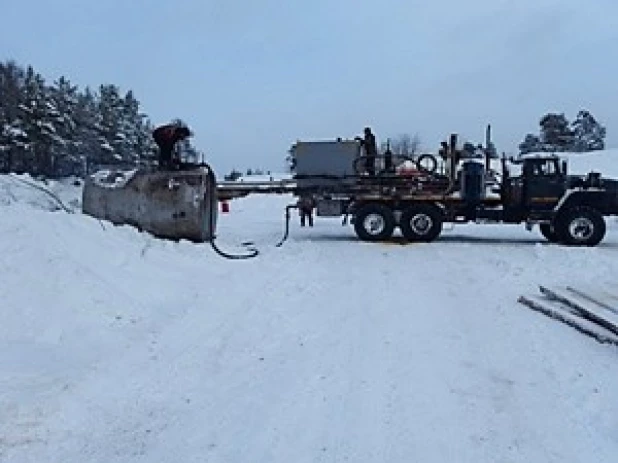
{"x":325,"y":160}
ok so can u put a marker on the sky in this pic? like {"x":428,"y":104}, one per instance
{"x":252,"y":77}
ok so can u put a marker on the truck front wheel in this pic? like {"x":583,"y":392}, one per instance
{"x":581,"y":226}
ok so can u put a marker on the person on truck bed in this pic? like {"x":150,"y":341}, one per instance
{"x":166,"y":137}
{"x":368,"y":142}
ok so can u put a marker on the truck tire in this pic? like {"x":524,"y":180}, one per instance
{"x":421,"y":222}
{"x":374,"y":222}
{"x":580,"y":226}
{"x":548,"y":231}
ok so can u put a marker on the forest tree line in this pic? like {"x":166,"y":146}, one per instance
{"x":56,"y":129}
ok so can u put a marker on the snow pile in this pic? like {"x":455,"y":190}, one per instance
{"x":117,"y":347}
{"x":41,"y":194}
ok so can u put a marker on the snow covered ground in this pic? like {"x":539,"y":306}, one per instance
{"x":116,"y":347}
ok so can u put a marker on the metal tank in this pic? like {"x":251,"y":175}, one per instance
{"x":168,"y":204}
{"x":473,"y":182}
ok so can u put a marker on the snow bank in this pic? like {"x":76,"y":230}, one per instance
{"x":24,"y":189}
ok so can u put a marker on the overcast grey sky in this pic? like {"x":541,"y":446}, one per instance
{"x":251,"y":77}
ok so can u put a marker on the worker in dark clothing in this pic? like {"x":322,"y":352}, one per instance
{"x":388,"y":158}
{"x":305,"y":210}
{"x":368,"y":142}
{"x":444,"y":150}
{"x":166,"y":137}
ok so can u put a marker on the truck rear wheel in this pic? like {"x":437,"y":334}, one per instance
{"x":374,"y":222}
{"x":548,"y":231}
{"x":421,"y":222}
{"x":581,"y":226}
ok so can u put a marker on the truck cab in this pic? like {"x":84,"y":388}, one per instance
{"x":537,"y":188}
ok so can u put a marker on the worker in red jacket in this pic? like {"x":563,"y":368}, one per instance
{"x":166,"y":137}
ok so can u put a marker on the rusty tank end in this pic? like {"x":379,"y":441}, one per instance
{"x":168,"y":204}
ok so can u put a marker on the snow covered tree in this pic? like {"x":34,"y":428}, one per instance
{"x":531,"y":144}
{"x":589,"y":135}
{"x":87,"y":120}
{"x":146,"y":145}
{"x":129,"y":126}
{"x":64,"y":98}
{"x":556,"y":134}
{"x":110,"y":111}
{"x":12,"y":138}
{"x":39,"y":120}
{"x":58,"y":129}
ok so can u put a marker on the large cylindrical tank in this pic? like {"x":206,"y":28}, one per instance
{"x":472,"y":181}
{"x":168,"y":204}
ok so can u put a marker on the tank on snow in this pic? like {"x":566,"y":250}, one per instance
{"x":168,"y":204}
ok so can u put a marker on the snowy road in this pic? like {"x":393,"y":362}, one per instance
{"x":115,"y":347}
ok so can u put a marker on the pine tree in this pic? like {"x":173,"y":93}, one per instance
{"x":87,"y":120}
{"x":59,"y":129}
{"x":531,"y":144}
{"x":111,"y":138}
{"x":556,"y":134}
{"x":146,"y":145}
{"x":130,"y":127}
{"x":12,"y":138}
{"x":64,"y":97}
{"x":589,"y":135}
{"x":39,"y":119}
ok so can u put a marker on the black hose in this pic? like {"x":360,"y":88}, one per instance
{"x":253,"y":252}
{"x":212,"y":195}
{"x":287,"y":225}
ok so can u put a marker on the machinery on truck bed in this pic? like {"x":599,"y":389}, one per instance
{"x":568,"y":209}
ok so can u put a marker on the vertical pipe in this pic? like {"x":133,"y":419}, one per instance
{"x":487,"y":147}
{"x":453,"y":156}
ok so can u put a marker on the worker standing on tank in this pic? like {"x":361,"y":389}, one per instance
{"x":166,"y":137}
{"x":368,"y":142}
